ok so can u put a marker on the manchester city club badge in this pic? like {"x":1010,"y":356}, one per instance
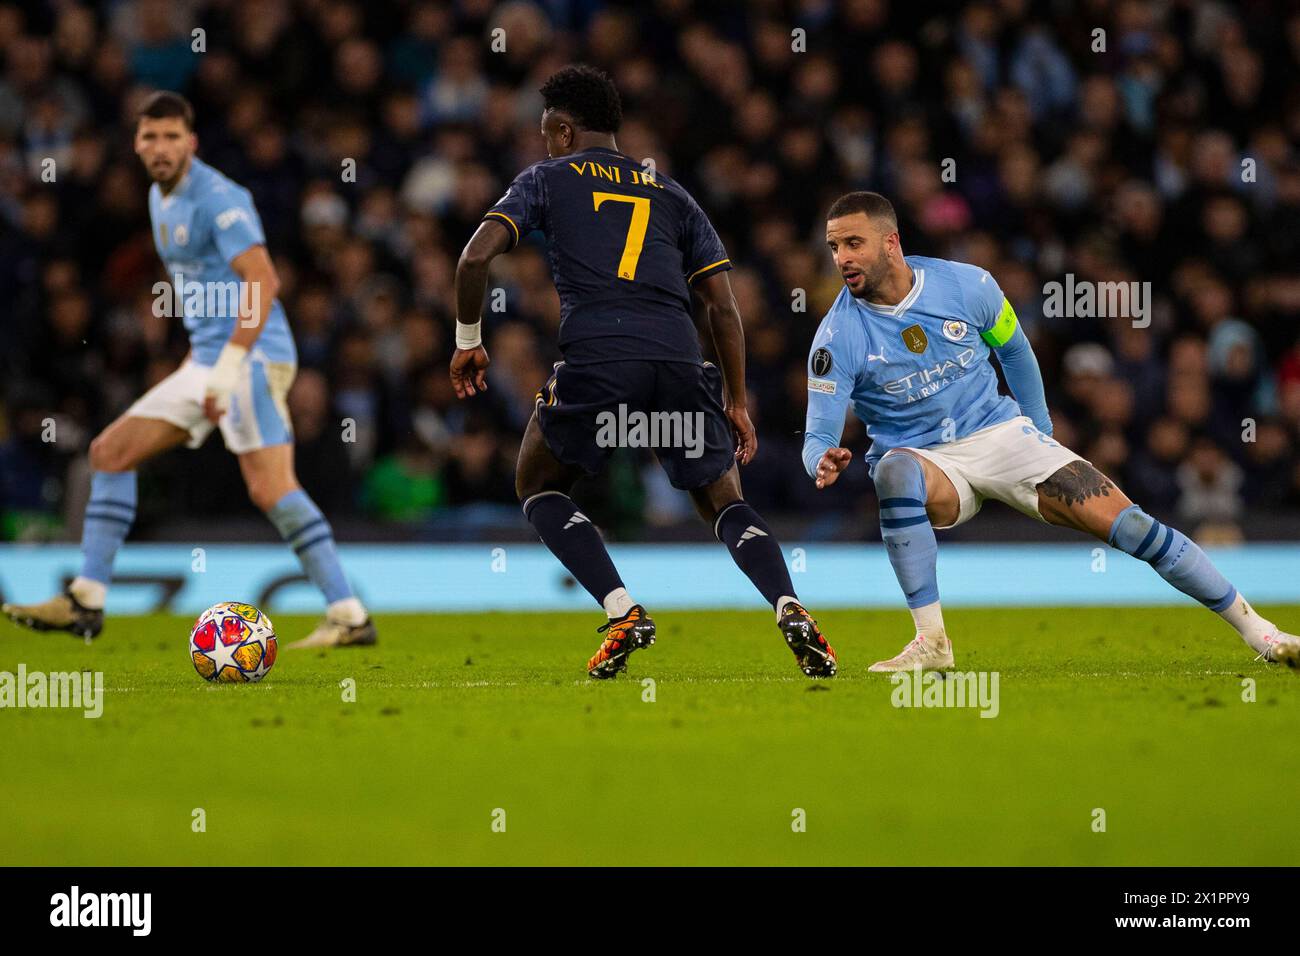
{"x":954,"y":330}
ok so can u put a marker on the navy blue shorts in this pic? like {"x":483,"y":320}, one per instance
{"x":673,"y":408}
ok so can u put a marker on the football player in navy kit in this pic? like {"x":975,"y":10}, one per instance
{"x":626,"y":248}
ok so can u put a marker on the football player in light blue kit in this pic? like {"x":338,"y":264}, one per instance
{"x":907,"y":343}
{"x":242,"y":361}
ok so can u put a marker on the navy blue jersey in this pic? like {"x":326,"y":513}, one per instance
{"x":624,"y":247}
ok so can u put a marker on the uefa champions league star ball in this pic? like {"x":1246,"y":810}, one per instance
{"x":233,"y":643}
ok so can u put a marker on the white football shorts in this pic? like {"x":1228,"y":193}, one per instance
{"x":258,"y":416}
{"x":1005,"y":462}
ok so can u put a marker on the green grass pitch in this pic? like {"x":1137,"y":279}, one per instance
{"x":1138,"y":712}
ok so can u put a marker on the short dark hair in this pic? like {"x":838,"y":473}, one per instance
{"x":586,"y":94}
{"x":164,"y":104}
{"x":874,"y":205}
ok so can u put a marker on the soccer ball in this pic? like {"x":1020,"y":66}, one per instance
{"x":233,"y":643}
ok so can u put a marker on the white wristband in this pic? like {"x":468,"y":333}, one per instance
{"x":225,"y":374}
{"x":231,"y":356}
{"x":468,"y":336}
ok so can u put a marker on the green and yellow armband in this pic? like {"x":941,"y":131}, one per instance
{"x":1003,"y":328}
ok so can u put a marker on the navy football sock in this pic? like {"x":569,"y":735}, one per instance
{"x":574,"y":540}
{"x":754,"y":550}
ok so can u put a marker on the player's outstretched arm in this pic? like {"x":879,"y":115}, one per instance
{"x":729,"y":343}
{"x":259,"y":284}
{"x":470,"y":360}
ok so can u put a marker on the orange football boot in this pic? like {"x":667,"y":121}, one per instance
{"x":631,"y":632}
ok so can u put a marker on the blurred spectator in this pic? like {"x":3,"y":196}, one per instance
{"x":1001,"y":137}
{"x":1209,"y":485}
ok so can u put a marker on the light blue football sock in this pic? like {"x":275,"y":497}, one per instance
{"x":109,"y":517}
{"x":305,"y":529}
{"x":1176,"y":557}
{"x":906,"y":529}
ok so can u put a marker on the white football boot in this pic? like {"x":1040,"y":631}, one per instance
{"x":933,"y":654}
{"x":333,"y":634}
{"x":1281,"y":648}
{"x":63,"y":612}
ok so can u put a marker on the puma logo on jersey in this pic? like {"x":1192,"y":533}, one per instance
{"x":751,"y":532}
{"x":877,"y":358}
{"x":577,"y":518}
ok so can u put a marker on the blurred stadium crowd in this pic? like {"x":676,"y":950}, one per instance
{"x":1169,"y":158}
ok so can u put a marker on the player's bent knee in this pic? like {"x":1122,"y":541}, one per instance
{"x":533,"y":486}
{"x":897,"y":472}
{"x":265,"y":495}
{"x":107,"y":455}
{"x":538,"y":470}
{"x":99,"y":457}
{"x":902,"y":475}
{"x":261,"y":500}
{"x":527,"y":481}
{"x":529,"y":487}
{"x":711,"y":500}
{"x":703,"y":505}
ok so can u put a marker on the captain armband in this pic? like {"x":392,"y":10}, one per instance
{"x":1002,"y":330}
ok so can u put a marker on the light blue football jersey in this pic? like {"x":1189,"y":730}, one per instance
{"x":918,"y":373}
{"x":204,"y":223}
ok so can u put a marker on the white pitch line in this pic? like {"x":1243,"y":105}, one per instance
{"x":263,"y":688}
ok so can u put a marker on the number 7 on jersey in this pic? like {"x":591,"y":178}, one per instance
{"x":635,"y":230}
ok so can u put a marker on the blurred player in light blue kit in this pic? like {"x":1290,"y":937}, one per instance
{"x":907,"y":343}
{"x":242,"y":361}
